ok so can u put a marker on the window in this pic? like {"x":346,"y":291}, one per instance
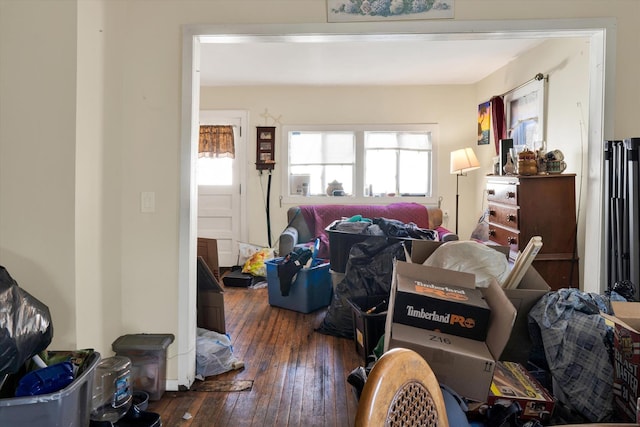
{"x":525,"y":114}
{"x":213,"y":171}
{"x":365,"y":161}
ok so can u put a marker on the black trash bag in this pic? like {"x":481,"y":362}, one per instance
{"x":395,"y":228}
{"x":368,"y":273}
{"x":25,"y":325}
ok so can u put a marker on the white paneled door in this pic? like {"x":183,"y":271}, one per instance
{"x":221,"y":184}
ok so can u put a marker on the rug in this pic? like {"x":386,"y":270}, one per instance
{"x":215,"y":385}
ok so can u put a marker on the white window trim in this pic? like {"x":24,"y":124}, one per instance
{"x":310,"y":200}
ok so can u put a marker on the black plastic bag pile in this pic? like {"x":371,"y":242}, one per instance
{"x":25,"y":325}
{"x":369,"y":272}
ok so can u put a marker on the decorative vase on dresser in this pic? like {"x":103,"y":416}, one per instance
{"x":521,"y":207}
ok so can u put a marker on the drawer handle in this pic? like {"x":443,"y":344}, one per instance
{"x":511,"y":218}
{"x":511,"y":195}
{"x":512,"y":240}
{"x":491,"y":192}
{"x":492,"y":233}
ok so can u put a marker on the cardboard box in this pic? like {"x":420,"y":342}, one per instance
{"x":531,"y":288}
{"x":210,"y":300}
{"x":208,"y":250}
{"x":440,"y":307}
{"x":463,"y":364}
{"x":513,"y":383}
{"x":626,"y":343}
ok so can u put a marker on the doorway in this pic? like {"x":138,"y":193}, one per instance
{"x":600,"y":120}
{"x":221,"y":201}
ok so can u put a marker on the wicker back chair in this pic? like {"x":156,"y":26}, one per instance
{"x":401,"y":390}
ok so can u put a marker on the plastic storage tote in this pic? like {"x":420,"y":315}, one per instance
{"x":311,"y":289}
{"x":69,"y":407}
{"x":369,"y":320}
{"x":340,"y":243}
{"x":148,"y":354}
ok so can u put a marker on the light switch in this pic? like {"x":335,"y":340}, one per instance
{"x":147,"y":202}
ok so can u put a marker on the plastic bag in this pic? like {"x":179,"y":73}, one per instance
{"x":25,"y":325}
{"x":245,"y":251}
{"x":471,"y":257}
{"x":255,"y":264}
{"x":214,"y":353}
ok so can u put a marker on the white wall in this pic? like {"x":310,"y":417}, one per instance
{"x":41,"y":77}
{"x":37,"y":155}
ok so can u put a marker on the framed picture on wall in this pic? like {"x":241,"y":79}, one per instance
{"x":484,"y":122}
{"x":391,"y":10}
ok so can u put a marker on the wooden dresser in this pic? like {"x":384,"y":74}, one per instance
{"x":521,"y":207}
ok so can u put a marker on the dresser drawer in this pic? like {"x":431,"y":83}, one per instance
{"x":504,"y":236}
{"x":506,"y":215}
{"x":502,"y":193}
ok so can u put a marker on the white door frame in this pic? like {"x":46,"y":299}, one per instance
{"x":601,"y":32}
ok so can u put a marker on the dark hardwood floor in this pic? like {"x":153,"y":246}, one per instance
{"x":299,"y":375}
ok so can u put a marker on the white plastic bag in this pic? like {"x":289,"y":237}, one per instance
{"x":245,"y":250}
{"x":214,"y":354}
{"x":471,"y":257}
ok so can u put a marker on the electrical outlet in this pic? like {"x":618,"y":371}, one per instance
{"x":445,"y":213}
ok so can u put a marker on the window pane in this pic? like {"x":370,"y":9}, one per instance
{"x":381,"y":171}
{"x":415,"y":171}
{"x":343,"y":174}
{"x":318,"y":148}
{"x":315,"y":178}
{"x":321,"y":176}
{"x":215,"y":171}
{"x":405,"y":140}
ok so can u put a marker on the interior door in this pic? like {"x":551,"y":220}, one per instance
{"x":220,"y":185}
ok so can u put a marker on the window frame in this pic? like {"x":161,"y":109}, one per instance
{"x":359,"y":176}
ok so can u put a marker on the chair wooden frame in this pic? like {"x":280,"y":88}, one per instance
{"x":401,"y":390}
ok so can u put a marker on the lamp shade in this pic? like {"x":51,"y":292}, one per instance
{"x":463,"y":160}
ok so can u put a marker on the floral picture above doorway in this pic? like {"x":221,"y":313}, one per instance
{"x":379,"y":10}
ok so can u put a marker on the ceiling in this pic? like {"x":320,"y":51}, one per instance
{"x":393,"y":61}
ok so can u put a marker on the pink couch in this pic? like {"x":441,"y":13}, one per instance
{"x":308,"y":222}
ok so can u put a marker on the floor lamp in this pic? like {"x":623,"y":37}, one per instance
{"x":462,"y":161}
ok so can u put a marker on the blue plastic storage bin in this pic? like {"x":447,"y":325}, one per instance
{"x":311,"y":289}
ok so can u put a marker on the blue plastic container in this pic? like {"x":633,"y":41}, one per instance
{"x":311,"y":289}
{"x":46,"y":380}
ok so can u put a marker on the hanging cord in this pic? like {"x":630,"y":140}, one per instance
{"x":268,"y":211}
{"x":265,"y":200}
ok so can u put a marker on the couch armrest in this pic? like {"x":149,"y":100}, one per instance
{"x":288,"y":239}
{"x":435,"y":218}
{"x":435,"y":223}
